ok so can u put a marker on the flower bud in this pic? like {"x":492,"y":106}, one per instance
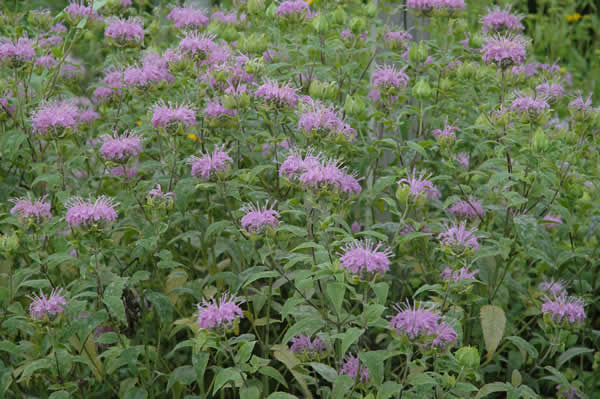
{"x":402,"y":193}
{"x":540,"y":142}
{"x":358,"y":25}
{"x":468,"y":357}
{"x":320,"y":24}
{"x":354,"y":106}
{"x":40,"y":19}
{"x":371,"y":9}
{"x":316,"y":89}
{"x":465,"y":71}
{"x":422,"y":90}
{"x":271,"y":12}
{"x":338,"y":16}
{"x":256,"y":7}
{"x":418,"y":53}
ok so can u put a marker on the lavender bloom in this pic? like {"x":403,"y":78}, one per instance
{"x":187,"y":17}
{"x":258,"y":219}
{"x":114,"y":81}
{"x":55,"y":116}
{"x":415,"y":321}
{"x":470,"y":209}
{"x":551,"y":91}
{"x":442,"y":7}
{"x":87,"y":116}
{"x":555,"y":288}
{"x":420,"y":186}
{"x":388,"y":77}
{"x":124,"y":171}
{"x":170,"y":116}
{"x":293,"y":9}
{"x":125,"y":31}
{"x":458,"y":275}
{"x":329,"y":174}
{"x":21,"y":51}
{"x":498,"y":20}
{"x":77,"y":10}
{"x":222,"y":313}
{"x":121,"y":148}
{"x":568,"y":392}
{"x":30,"y":208}
{"x":551,"y":220}
{"x":157,"y":193}
{"x":323,"y":121}
{"x":197,"y":45}
{"x":46,"y":61}
{"x":564,"y":309}
{"x":228,"y":19}
{"x":154,"y":70}
{"x":580,"y":109}
{"x":50,"y":42}
{"x":362,"y":257}
{"x":447,"y":134}
{"x":85,"y":213}
{"x":210,"y":164}
{"x":356,"y":227}
{"x":459,"y":235}
{"x":302,"y":345}
{"x":528,"y":70}
{"x":463,"y":159}
{"x":216,"y":110}
{"x":529,"y":107}
{"x":352,"y":368}
{"x":444,"y":336}
{"x":505,"y":50}
{"x":397,"y":40}
{"x":47,"y":306}
{"x":276,"y":94}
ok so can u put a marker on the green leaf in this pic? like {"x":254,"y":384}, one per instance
{"x":374,"y":362}
{"x":388,"y":389}
{"x":350,"y":336}
{"x":249,"y":393}
{"x":571,"y":353}
{"x":281,"y":395}
{"x":524,"y":346}
{"x":136,"y":393}
{"x":244,"y":352}
{"x":491,"y":388}
{"x":341,"y":387}
{"x":325,"y":371}
{"x":115,"y":307}
{"x":184,"y":375}
{"x":305,"y":326}
{"x":224,"y":376}
{"x":162,"y":305}
{"x":200,"y":361}
{"x":417,"y":379}
{"x":493,"y":322}
{"x":59,"y":395}
{"x":273,"y":373}
{"x":335,"y":293}
{"x":34,"y":366}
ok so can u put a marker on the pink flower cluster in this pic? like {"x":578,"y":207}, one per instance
{"x":113,"y":82}
{"x":314,"y":172}
{"x":85,"y":213}
{"x":121,"y":148}
{"x":188,"y":17}
{"x":505,"y":50}
{"x":157,"y":193}
{"x":222,"y":313}
{"x":459,"y":235}
{"x":498,"y":20}
{"x":280,"y":95}
{"x":50,"y":306}
{"x":124,"y":31}
{"x":553,"y":287}
{"x":423,"y":324}
{"x":296,"y":8}
{"x":362,"y":257}
{"x":551,"y":220}
{"x":196,"y":44}
{"x":77,"y":10}
{"x":154,"y":70}
{"x":21,"y":51}
{"x":215,"y":110}
{"x":426,"y":7}
{"x":529,"y":106}
{"x":210,"y":164}
{"x":258,"y":219}
{"x":565,"y":309}
{"x":323,"y":121}
{"x":420,"y":185}
{"x":352,"y":368}
{"x":38,"y":209}
{"x":397,"y":39}
{"x":169,"y":116}
{"x":551,"y":91}
{"x":302,"y":345}
{"x":389,"y":77}
{"x":446,"y":133}
{"x":468,"y":209}
{"x":458,"y":275}
{"x":55,"y":116}
{"x":228,"y":18}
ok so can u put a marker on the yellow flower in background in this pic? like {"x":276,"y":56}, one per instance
{"x":309,"y":2}
{"x":139,"y":123}
{"x":563,"y":70}
{"x":574,"y":17}
{"x":192,"y":137}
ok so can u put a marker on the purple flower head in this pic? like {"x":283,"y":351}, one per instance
{"x":210,"y":164}
{"x":113,"y":81}
{"x":529,"y":107}
{"x":188,"y":18}
{"x":528,"y":70}
{"x":389,"y":77}
{"x":567,"y":392}
{"x":56,"y":117}
{"x":154,"y":70}
{"x":86,"y":213}
{"x":415,"y":321}
{"x":88,"y":116}
{"x":459,"y":235}
{"x":18,"y":52}
{"x":124,"y":171}
{"x":551,"y":91}
{"x":499,"y":20}
{"x":442,"y":7}
{"x":458,"y":275}
{"x":463,"y":159}
{"x":157,"y":193}
{"x":77,"y":10}
{"x":346,"y":35}
{"x":196,"y":44}
{"x":280,"y":95}
{"x":258,"y":219}
{"x":46,"y":61}
{"x":216,"y":110}
{"x":38,"y":209}
{"x":222,"y":313}
{"x":121,"y":148}
{"x":50,"y":42}
{"x":362,"y":257}
{"x":170,"y":116}
{"x":555,"y":288}
{"x":397,"y":40}
{"x":551,"y":220}
{"x":323,"y":174}
{"x":302,"y":345}
{"x":564,"y":309}
{"x":294,"y":165}
{"x":444,"y":336}
{"x":420,"y":185}
{"x":352,"y":368}
{"x":228,"y":18}
{"x":324,"y":121}
{"x":356,"y":227}
{"x":59,"y":28}
{"x":505,"y":50}
{"x":293,"y":9}
{"x":468,"y":209}
{"x":581,"y":109}
{"x":125,"y":31}
{"x":47,"y":306}
{"x":447,"y":133}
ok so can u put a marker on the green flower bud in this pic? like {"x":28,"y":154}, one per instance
{"x":256,"y":7}
{"x":320,"y":24}
{"x":229,"y":102}
{"x":331,"y":91}
{"x":338,"y":17}
{"x":358,"y":25}
{"x":468,"y":357}
{"x":402,"y":193}
{"x":40,"y":19}
{"x":516,"y":378}
{"x":354,"y":106}
{"x":371,"y":9}
{"x":422,"y":90}
{"x":540,"y":142}
{"x":418,"y":53}
{"x":316,"y":89}
{"x":271,"y":12}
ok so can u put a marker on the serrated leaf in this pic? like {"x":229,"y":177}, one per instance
{"x":571,"y":353}
{"x":184,"y":375}
{"x":335,"y":293}
{"x":325,"y":371}
{"x":115,"y":307}
{"x":224,"y":376}
{"x":493,"y":322}
{"x":350,"y":337}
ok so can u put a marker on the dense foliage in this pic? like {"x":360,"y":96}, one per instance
{"x":296,"y":199}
